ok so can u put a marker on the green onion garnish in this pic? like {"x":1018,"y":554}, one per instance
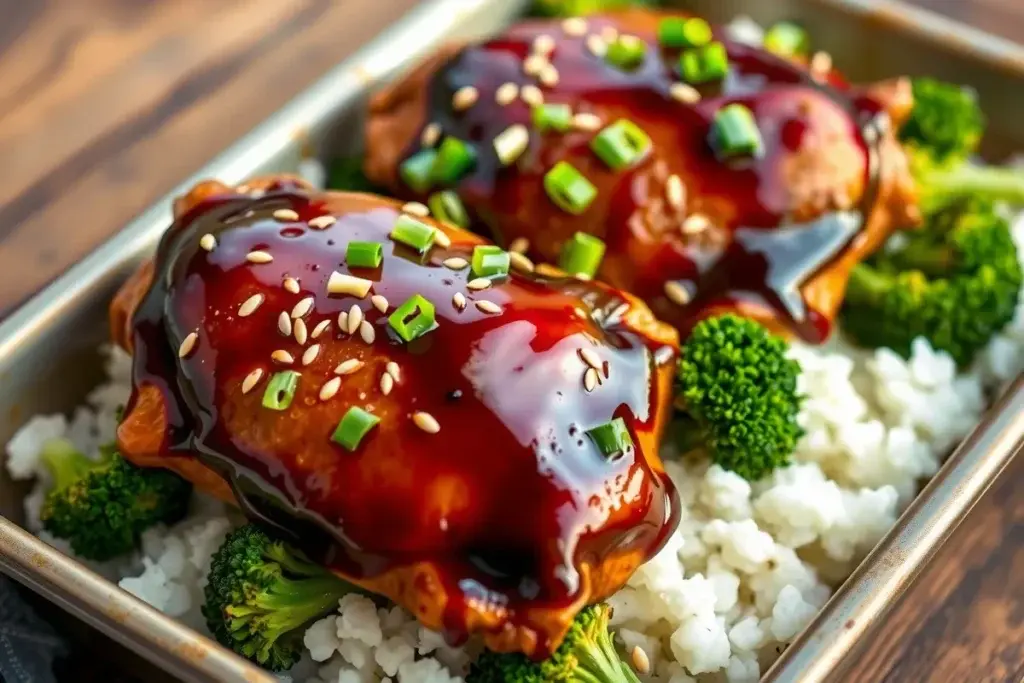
{"x":621,"y":145}
{"x":704,"y":64}
{"x":364,"y":254}
{"x":581,"y":254}
{"x":681,"y":33}
{"x":787,"y":39}
{"x":415,"y":170}
{"x":353,"y":427}
{"x":556,"y":117}
{"x":281,"y":390}
{"x":411,"y":232}
{"x":626,"y":52}
{"x":454,"y":159}
{"x":734,"y":132}
{"x":490,"y":261}
{"x":612,"y":438}
{"x":413,"y":318}
{"x":568,"y":189}
{"x":446,"y":206}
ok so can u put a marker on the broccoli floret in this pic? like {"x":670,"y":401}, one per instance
{"x":956,"y":283}
{"x":587,"y":655}
{"x":739,"y":393}
{"x":579,"y":8}
{"x":103,"y":506}
{"x":260,"y":595}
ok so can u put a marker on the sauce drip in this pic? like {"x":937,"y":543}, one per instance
{"x":508,"y":500}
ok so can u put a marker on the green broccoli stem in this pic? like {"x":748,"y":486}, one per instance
{"x":934,"y":260}
{"x":866,"y":285}
{"x":65,"y":462}
{"x":969,"y":180}
{"x":292,"y":604}
{"x":600,"y":663}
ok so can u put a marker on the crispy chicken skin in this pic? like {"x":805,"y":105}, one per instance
{"x":773,"y":234}
{"x":503,"y":522}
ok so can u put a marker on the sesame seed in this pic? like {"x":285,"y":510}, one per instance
{"x":387,"y":383}
{"x":286,"y":215}
{"x":548,"y":270}
{"x":355,"y":317}
{"x":534,"y":64}
{"x":250,"y":305}
{"x":379,"y":302}
{"x":582,"y":277}
{"x":347,"y":367}
{"x":510,"y":143}
{"x":330,"y":388}
{"x":506,"y":93}
{"x":343,"y":322}
{"x":532,"y":95}
{"x":367,"y":332}
{"x":641,"y":662}
{"x":675,"y":192}
{"x":431,"y":134}
{"x":416,"y":209}
{"x":284,"y":324}
{"x":684,"y":92}
{"x":821,"y":65}
{"x":283,"y":357}
{"x":544,"y":44}
{"x":258,"y":257}
{"x":303,"y":307}
{"x":575,"y":26}
{"x":590,"y":378}
{"x":340,"y":283}
{"x":392,"y":369}
{"x":310,"y":354}
{"x":251,"y":380}
{"x":320,"y":328}
{"x":591,"y":358}
{"x":426,"y":422}
{"x":208,"y":242}
{"x":519,"y":245}
{"x":488,"y":306}
{"x":479,"y":283}
{"x":300,"y":331}
{"x":458,"y":300}
{"x":520,"y":262}
{"x":442,"y":239}
{"x":586,"y":121}
{"x":291,"y":285}
{"x":597,"y":46}
{"x":549,"y":76}
{"x":464,"y":98}
{"x":321,"y":222}
{"x":187,"y":344}
{"x":696,"y":223}
{"x":676,"y":293}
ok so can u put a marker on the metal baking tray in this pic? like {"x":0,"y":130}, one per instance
{"x":48,"y":359}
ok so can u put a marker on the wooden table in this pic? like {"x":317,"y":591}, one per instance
{"x":106,"y":104}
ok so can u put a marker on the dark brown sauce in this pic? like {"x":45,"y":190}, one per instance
{"x":741,"y":197}
{"x":524,"y":497}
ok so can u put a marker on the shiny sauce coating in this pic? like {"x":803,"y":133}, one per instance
{"x":509,"y":499}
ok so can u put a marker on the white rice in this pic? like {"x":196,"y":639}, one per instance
{"x":748,"y":568}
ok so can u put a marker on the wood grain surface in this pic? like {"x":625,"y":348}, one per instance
{"x":106,"y":104}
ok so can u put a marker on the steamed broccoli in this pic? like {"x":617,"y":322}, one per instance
{"x":102,"y":507}
{"x":260,"y":595}
{"x":587,"y":655}
{"x":739,"y":392}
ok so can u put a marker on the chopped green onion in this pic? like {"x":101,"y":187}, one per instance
{"x":787,"y":39}
{"x":413,"y":233}
{"x":364,"y":254}
{"x":556,"y":117}
{"x":415,"y":170}
{"x":681,"y":33}
{"x":413,"y":318}
{"x":612,"y":438}
{"x":281,"y":390}
{"x":454,"y":159}
{"x":734,"y":132}
{"x":626,"y":52}
{"x":351,"y":429}
{"x":568,"y":188}
{"x":704,"y":64}
{"x":581,"y":254}
{"x":446,"y":206}
{"x":490,"y":261}
{"x":621,"y":145}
